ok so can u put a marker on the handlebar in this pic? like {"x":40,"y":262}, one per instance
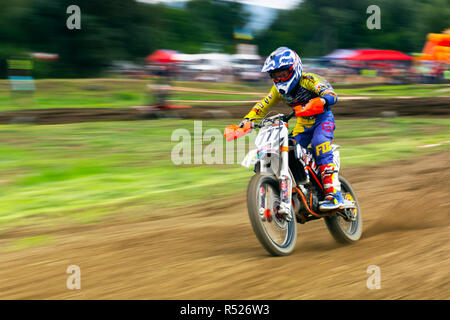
{"x":285,"y":118}
{"x":289,"y":116}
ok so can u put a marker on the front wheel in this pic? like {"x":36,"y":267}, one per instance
{"x":277,"y":235}
{"x":342,"y":230}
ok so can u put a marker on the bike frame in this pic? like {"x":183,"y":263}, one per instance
{"x":271,"y":162}
{"x":272,"y":157}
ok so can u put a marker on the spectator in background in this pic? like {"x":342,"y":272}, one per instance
{"x":437,"y":72}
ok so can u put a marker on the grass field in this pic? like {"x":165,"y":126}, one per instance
{"x":112,"y":93}
{"x":416,"y":90}
{"x":78,"y":173}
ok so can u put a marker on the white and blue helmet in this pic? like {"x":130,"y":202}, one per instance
{"x":281,"y":59}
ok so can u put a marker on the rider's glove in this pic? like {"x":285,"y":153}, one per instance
{"x":313,"y":107}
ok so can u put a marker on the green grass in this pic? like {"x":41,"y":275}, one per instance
{"x":26,"y":243}
{"x":416,"y":90}
{"x":78,"y":93}
{"x":211,"y":96}
{"x":110,"y":93}
{"x":384,"y":140}
{"x":67,"y":168}
{"x":79,"y":173}
{"x":114,"y":93}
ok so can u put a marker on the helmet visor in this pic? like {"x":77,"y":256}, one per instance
{"x":282,"y":75}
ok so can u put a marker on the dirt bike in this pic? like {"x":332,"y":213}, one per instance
{"x":287,"y":188}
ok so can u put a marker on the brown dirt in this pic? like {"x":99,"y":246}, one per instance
{"x":69,"y":115}
{"x":211,"y":252}
{"x":421,"y":107}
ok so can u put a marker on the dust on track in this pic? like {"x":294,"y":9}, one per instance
{"x":210,"y":252}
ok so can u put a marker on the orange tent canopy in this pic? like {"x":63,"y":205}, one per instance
{"x":437,"y":47}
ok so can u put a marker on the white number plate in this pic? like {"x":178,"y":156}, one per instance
{"x":269,"y":138}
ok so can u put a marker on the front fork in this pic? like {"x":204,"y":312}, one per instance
{"x":285,"y":182}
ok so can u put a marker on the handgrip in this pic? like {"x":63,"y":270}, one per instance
{"x":289,"y":116}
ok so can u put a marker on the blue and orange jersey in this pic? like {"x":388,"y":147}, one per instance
{"x":311,"y":86}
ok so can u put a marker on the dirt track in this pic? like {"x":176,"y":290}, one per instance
{"x":374,"y":107}
{"x":211,"y":252}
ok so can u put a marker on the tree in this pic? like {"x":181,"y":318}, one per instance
{"x":316,"y":27}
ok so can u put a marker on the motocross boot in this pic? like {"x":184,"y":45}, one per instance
{"x":331,"y":188}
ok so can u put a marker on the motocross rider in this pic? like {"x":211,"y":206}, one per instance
{"x":311,"y":96}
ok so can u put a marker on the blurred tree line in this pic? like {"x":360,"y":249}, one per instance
{"x":317,"y":27}
{"x":129,"y":30}
{"x":111,"y":30}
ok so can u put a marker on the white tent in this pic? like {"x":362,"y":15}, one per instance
{"x":340,"y":54}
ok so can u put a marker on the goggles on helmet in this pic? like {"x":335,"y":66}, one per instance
{"x":282,"y":75}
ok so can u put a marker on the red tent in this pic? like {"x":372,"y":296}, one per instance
{"x":378,"y":55}
{"x":162,"y":56}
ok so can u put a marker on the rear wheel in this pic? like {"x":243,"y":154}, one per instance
{"x":277,"y":235}
{"x":342,"y":229}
